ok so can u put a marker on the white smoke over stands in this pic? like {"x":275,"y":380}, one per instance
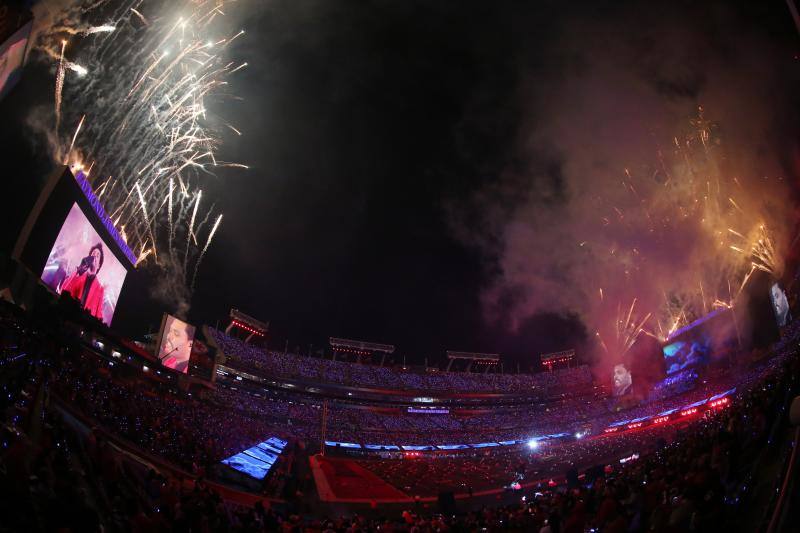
{"x":669,"y":191}
{"x":142,"y":73}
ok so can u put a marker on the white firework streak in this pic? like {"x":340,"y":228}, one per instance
{"x":87,"y":30}
{"x":169,"y":213}
{"x":203,"y":253}
{"x":72,"y":144}
{"x":80,"y":70}
{"x":148,"y":72}
{"x":190,"y":234}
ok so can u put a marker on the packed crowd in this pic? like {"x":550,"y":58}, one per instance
{"x":676,"y":384}
{"x":484,"y":470}
{"x":684,"y":479}
{"x":250,"y":358}
{"x":366,"y":427}
{"x":356,"y":423}
{"x":197,"y":431}
{"x":481,"y":471}
{"x":191,"y":432}
{"x":691,"y":484}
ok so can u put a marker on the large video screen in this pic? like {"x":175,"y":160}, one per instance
{"x":257,"y":461}
{"x":81,"y":265}
{"x":175,"y":346}
{"x":779,"y":304}
{"x":686,"y":353}
{"x":622,"y":380}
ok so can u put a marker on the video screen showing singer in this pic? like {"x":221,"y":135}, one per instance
{"x":82,"y":265}
{"x":623,"y":381}
{"x":176,"y":344}
{"x":83,"y":284}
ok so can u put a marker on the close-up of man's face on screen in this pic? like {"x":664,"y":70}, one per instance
{"x":622,"y":380}
{"x":81,"y":265}
{"x":780,"y":304}
{"x":176,"y":344}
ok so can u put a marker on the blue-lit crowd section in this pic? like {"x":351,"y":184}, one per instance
{"x":443,"y":447}
{"x":717,"y":401}
{"x":257,"y":461}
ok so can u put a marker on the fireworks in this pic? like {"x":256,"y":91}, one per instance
{"x":85,"y":30}
{"x":59,"y":85}
{"x":674,"y":316}
{"x":208,"y":242}
{"x":72,"y":143}
{"x":680,"y":246}
{"x":627,"y":327}
{"x":764,"y":253}
{"x":150,"y":68}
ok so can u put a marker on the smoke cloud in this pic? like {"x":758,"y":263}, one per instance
{"x":624,"y":208}
{"x":168,"y":287}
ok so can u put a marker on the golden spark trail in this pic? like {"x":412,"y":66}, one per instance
{"x":734,"y":204}
{"x":602,"y":343}
{"x":59,"y":85}
{"x":100,"y":191}
{"x":143,"y":255}
{"x":72,"y":144}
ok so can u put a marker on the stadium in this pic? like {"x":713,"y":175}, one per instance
{"x":632,"y":316}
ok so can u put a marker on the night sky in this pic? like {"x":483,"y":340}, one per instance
{"x":377,"y":134}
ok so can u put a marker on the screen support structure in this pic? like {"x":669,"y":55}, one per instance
{"x":33,"y":216}
{"x":82,"y":188}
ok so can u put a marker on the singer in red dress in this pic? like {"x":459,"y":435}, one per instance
{"x":83,"y":284}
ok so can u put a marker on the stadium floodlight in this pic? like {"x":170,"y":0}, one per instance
{"x":533,"y":444}
{"x":359,"y":346}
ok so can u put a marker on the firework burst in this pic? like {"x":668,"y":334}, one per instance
{"x":694,"y":199}
{"x":628,"y":324}
{"x":150,"y":69}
